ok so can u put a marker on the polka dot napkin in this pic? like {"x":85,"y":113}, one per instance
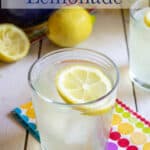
{"x":130,"y":131}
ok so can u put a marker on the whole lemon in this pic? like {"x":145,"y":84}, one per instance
{"x":69,"y":26}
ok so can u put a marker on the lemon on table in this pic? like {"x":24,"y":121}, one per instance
{"x":79,"y":84}
{"x":147,"y":18}
{"x":14,"y":43}
{"x":69,"y":26}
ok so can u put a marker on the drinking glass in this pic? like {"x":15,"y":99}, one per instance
{"x":139,"y":44}
{"x":62,"y":126}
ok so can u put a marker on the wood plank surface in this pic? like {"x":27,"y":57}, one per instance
{"x":108,"y":37}
{"x":14,"y":91}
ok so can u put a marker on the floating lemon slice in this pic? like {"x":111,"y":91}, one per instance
{"x":79,"y":84}
{"x":147,"y":18}
{"x":14,"y":43}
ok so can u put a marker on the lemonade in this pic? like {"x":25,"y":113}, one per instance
{"x":139,"y":40}
{"x":74,"y":99}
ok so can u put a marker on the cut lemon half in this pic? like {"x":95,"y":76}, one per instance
{"x":79,"y":84}
{"x":147,"y":18}
{"x":14,"y":44}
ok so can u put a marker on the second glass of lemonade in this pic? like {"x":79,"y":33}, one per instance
{"x":139,"y":43}
{"x":74,"y":93}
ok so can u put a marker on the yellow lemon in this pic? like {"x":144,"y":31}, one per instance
{"x":79,"y":84}
{"x":14,"y":43}
{"x":147,"y":18}
{"x":69,"y":26}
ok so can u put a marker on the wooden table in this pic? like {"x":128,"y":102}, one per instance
{"x":109,"y":36}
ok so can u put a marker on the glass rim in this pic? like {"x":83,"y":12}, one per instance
{"x":132,"y":9}
{"x":72,"y":49}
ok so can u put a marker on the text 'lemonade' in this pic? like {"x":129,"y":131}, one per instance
{"x":69,"y":112}
{"x":140,"y":47}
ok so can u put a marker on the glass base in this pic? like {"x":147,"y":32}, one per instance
{"x":140,"y":83}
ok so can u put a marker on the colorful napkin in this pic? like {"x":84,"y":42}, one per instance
{"x":130,"y":131}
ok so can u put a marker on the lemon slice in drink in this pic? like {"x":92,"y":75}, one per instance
{"x":79,"y":84}
{"x":14,"y":43}
{"x":147,"y":18}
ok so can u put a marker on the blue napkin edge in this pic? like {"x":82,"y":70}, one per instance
{"x":23,"y":120}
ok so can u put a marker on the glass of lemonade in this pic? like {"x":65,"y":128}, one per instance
{"x":74,"y":93}
{"x":139,"y":43}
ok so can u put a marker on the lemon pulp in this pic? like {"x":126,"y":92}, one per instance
{"x":14,"y":43}
{"x":79,"y":84}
